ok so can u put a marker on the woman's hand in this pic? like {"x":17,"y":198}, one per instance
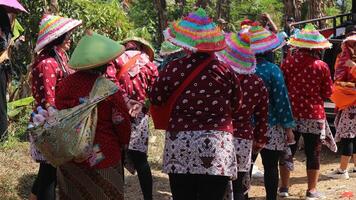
{"x":290,"y":136}
{"x":257,"y":147}
{"x":135,"y":107}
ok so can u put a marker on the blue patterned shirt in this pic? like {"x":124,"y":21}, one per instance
{"x":279,"y":108}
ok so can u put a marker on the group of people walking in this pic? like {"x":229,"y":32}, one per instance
{"x":219,"y":96}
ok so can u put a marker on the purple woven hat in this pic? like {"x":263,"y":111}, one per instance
{"x":12,"y":6}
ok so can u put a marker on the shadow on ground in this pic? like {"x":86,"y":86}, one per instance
{"x":161,"y":188}
{"x":24,"y":185}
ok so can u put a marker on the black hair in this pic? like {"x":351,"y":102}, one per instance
{"x":290,"y":19}
{"x":350,"y":29}
{"x":4,"y":21}
{"x":56,"y":42}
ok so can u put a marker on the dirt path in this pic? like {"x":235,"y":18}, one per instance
{"x":17,"y":172}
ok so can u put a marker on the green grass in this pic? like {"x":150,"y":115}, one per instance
{"x":17,"y":129}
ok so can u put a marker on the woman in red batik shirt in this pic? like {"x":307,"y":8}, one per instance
{"x":309,"y":84}
{"x":344,"y":96}
{"x":102,"y":170}
{"x":251,"y":121}
{"x":135,"y":74}
{"x":48,"y":69}
{"x":199,"y":154}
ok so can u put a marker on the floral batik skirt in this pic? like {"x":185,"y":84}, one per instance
{"x":207,"y":152}
{"x":345,"y":123}
{"x":277,"y":141}
{"x":139,"y":134}
{"x":318,"y":127}
{"x":243,"y":150}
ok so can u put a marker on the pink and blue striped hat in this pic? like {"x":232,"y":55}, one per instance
{"x":263,"y":40}
{"x":238,"y":53}
{"x":52,"y":27}
{"x":196,"y":32}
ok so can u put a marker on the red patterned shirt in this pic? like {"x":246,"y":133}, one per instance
{"x":309,"y":84}
{"x":46,"y":74}
{"x":251,"y":121}
{"x":113,"y":125}
{"x":137,"y":82}
{"x":207,"y":103}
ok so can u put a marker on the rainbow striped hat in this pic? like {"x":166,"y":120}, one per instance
{"x":196,"y":32}
{"x":52,"y":27}
{"x":263,"y":40}
{"x":309,"y":38}
{"x":238,"y":53}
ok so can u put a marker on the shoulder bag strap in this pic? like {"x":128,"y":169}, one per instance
{"x":189,"y":79}
{"x":127,"y":66}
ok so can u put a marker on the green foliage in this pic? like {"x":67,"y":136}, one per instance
{"x":252,"y":9}
{"x":16,"y":107}
{"x":106,"y":18}
{"x":144,"y":17}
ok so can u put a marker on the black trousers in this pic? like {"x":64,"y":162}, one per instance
{"x":3,"y":106}
{"x":44,"y":186}
{"x":198,"y":187}
{"x":312,"y":149}
{"x":270,"y":160}
{"x":144,"y":174}
{"x":241,"y":185}
{"x":348,"y":146}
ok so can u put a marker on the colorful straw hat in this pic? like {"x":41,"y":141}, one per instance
{"x":238,"y":53}
{"x":94,"y":50}
{"x":309,"y":38}
{"x":263,"y":40}
{"x":12,"y":6}
{"x":147,"y":47}
{"x":168,"y":48}
{"x":52,"y":27}
{"x":196,"y":32}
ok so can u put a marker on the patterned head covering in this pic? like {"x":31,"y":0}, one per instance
{"x":196,"y":32}
{"x":263,"y":40}
{"x":246,"y":22}
{"x":238,"y":53}
{"x":52,"y":27}
{"x":309,"y":38}
{"x":147,"y":47}
{"x":94,"y":50}
{"x":350,"y":39}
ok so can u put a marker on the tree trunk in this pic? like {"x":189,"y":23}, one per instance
{"x":202,"y":3}
{"x":53,"y":7}
{"x":316,"y":10}
{"x":292,"y":8}
{"x":223,"y":10}
{"x":161,"y":6}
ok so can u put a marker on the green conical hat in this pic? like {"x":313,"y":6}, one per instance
{"x":168,"y":48}
{"x":94,"y":50}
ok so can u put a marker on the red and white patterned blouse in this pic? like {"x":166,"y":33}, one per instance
{"x":207,"y":103}
{"x":251,"y":121}
{"x":46,"y":74}
{"x":309,"y":84}
{"x":137,"y":82}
